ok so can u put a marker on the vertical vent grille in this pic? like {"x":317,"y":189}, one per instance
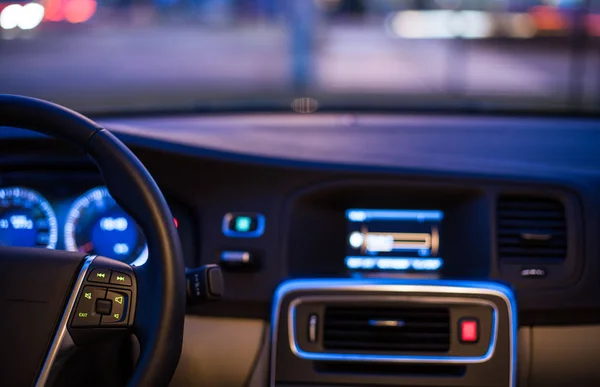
{"x":531,"y":228}
{"x":387,"y":330}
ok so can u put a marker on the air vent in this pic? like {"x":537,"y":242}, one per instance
{"x":531,"y":229}
{"x":387,"y":330}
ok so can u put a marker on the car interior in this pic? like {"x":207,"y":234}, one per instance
{"x":300,"y":193}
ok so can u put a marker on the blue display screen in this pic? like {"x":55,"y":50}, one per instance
{"x":115,"y":234}
{"x":26,"y":219}
{"x":17,"y":229}
{"x":394,"y":240}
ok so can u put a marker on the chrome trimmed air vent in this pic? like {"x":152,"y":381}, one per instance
{"x":530,"y":229}
{"x":316,"y":351}
{"x":298,"y":316}
{"x":387,"y":329}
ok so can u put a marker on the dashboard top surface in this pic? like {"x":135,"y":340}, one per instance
{"x":476,"y":144}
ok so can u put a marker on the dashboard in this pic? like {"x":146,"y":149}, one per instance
{"x":278,"y":197}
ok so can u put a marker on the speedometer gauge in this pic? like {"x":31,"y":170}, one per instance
{"x":26,"y":219}
{"x":97,"y":225}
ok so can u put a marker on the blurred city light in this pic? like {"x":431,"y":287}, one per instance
{"x":32,"y":15}
{"x":549,"y":18}
{"x":72,"y":11}
{"x":54,"y":10}
{"x":80,"y":11}
{"x":442,"y":24}
{"x":422,"y":24}
{"x":521,"y":25}
{"x":25,"y":17}
{"x":9,"y":18}
{"x":593,"y":24}
{"x":472,"y":24}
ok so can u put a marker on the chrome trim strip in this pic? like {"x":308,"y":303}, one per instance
{"x":387,"y":323}
{"x":296,"y":350}
{"x":457,"y":287}
{"x":312,"y":328}
{"x":63,"y":342}
{"x":235,"y":256}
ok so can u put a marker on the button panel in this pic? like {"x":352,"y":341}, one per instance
{"x":85,"y":312}
{"x":107,"y":298}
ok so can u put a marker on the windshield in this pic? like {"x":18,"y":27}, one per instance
{"x":131,"y":55}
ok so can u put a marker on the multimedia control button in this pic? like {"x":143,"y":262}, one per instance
{"x":85,"y":314}
{"x":118,"y":278}
{"x":118,"y":313}
{"x":99,"y":275}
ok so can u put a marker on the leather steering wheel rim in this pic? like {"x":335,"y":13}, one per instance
{"x":161,"y":296}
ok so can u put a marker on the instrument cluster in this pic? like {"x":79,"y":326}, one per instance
{"x":92,"y":223}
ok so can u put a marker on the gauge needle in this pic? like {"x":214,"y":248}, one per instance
{"x":86,"y":248}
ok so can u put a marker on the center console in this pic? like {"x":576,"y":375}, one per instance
{"x":398,"y":283}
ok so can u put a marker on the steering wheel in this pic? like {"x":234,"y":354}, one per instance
{"x":54,"y":301}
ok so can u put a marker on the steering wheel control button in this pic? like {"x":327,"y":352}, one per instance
{"x":243,"y":224}
{"x":469,"y":330}
{"x":99,"y":275}
{"x":85,"y":314}
{"x":118,"y":278}
{"x":103,"y":306}
{"x":118,"y":312}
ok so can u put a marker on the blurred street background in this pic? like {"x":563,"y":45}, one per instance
{"x":133,"y":54}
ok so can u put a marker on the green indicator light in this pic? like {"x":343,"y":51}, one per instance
{"x":243,"y":223}
{"x":82,"y":315}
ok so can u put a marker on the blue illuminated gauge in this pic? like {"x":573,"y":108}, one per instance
{"x":97,"y":225}
{"x":26,"y":219}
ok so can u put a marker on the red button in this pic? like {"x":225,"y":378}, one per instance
{"x":469,"y":331}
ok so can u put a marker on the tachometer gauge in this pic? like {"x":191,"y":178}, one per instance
{"x":97,"y":225}
{"x":26,"y":219}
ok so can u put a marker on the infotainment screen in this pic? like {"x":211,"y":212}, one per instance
{"x":394,"y":240}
